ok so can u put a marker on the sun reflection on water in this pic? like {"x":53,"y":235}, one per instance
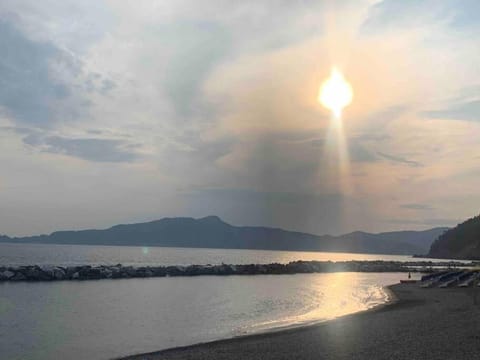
{"x":328,"y":297}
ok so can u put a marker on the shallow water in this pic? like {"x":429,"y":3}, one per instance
{"x":110,"y":318}
{"x":28,"y":254}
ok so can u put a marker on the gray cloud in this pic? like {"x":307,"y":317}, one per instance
{"x":468,"y":111}
{"x":99,"y":150}
{"x":398,"y":159}
{"x":27,"y":90}
{"x":91,"y":149}
{"x":41,"y":83}
{"x":414,"y":206}
{"x":359,"y":153}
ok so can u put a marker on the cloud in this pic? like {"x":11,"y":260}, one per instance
{"x":221,"y":98}
{"x":69,"y":24}
{"x":194,"y":50}
{"x":90,"y":149}
{"x":27,"y":90}
{"x":388,"y":14}
{"x":378,"y":120}
{"x":45,"y":77}
{"x":468,"y":111}
{"x":414,"y":206}
{"x":192,"y":154}
{"x":399,"y":159}
{"x":357,"y":151}
{"x":106,"y":86}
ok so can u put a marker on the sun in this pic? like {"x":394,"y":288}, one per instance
{"x":335,"y":93}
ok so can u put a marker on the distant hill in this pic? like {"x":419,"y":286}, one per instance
{"x":461,"y":242}
{"x":212,"y":232}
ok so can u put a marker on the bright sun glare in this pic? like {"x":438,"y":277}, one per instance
{"x":335,"y":93}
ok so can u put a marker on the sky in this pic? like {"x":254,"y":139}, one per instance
{"x":127,"y":111}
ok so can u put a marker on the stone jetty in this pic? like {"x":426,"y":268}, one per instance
{"x":89,"y":272}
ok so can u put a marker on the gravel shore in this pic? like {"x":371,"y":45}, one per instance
{"x":419,"y":324}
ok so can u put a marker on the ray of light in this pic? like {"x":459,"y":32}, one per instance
{"x":336,"y":156}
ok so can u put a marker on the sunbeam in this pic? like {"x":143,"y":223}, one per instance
{"x":336,"y":156}
{"x":335,"y":94}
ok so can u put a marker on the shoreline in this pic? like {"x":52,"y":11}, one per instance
{"x":409,"y":316}
{"x":392,"y":299}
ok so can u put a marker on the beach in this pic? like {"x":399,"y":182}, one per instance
{"x":417,"y":324}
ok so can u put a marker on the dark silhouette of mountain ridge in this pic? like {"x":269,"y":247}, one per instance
{"x":213,"y":232}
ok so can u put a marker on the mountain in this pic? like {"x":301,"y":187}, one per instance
{"x":212,"y":232}
{"x":461,"y":242}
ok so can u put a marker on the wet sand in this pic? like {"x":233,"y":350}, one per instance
{"x":418,"y":324}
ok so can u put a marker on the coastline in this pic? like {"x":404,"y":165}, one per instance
{"x":397,"y":329}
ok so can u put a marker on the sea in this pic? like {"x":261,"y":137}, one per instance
{"x":105,"y":319}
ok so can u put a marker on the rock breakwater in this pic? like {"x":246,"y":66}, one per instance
{"x":88,"y":272}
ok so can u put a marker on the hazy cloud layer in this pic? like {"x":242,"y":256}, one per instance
{"x":193,"y":108}
{"x":468,"y":111}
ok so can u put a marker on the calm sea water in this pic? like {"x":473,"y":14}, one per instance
{"x":110,"y":318}
{"x":28,"y":254}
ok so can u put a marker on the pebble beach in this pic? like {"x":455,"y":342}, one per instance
{"x":417,"y":324}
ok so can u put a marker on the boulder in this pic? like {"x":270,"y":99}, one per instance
{"x":94,"y":273}
{"x":6,"y":275}
{"x":18,"y":277}
{"x":129,"y":271}
{"x":107,"y":273}
{"x":58,"y":273}
{"x":116,"y":272}
{"x":159,"y":271}
{"x":48,"y":271}
{"x":34,"y":273}
{"x":70,"y":270}
{"x":175,"y":270}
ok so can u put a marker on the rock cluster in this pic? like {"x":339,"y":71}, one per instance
{"x":88,"y":272}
